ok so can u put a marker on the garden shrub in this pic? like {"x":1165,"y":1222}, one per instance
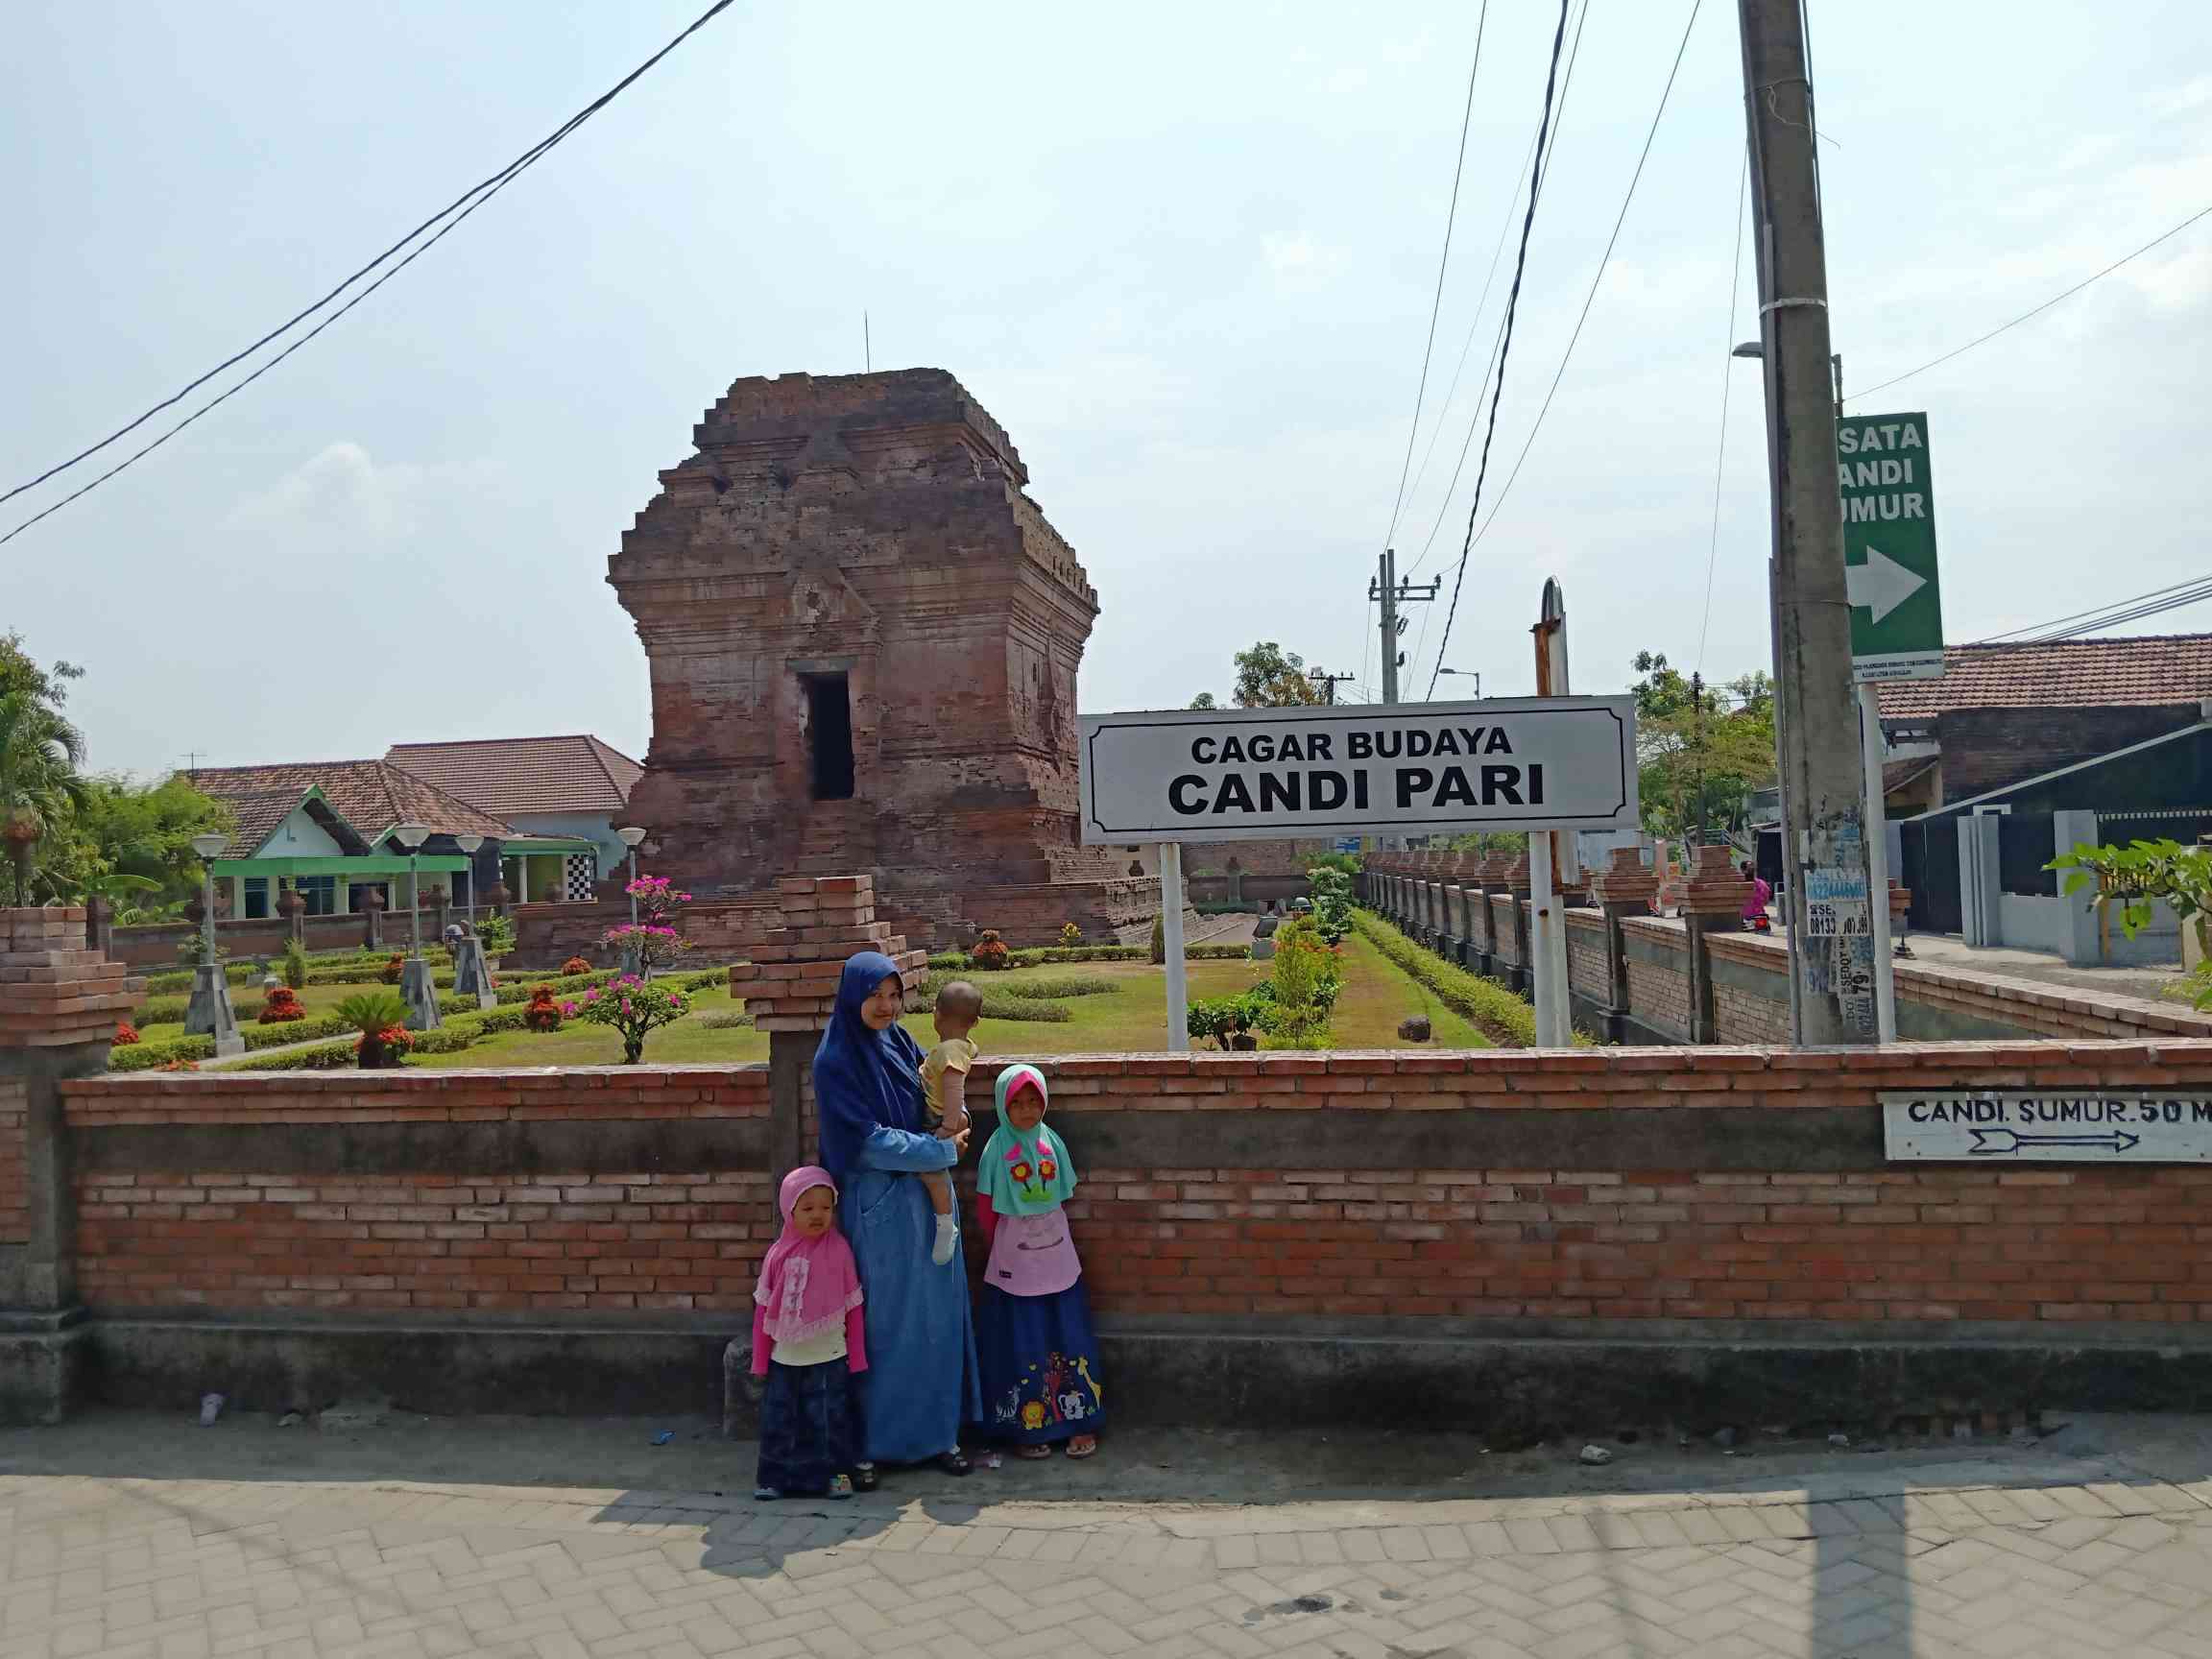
{"x":295,"y":968}
{"x":1070,"y":936}
{"x":1030,"y":1008}
{"x":727,"y":1019}
{"x":1157,"y":952}
{"x":990,"y":955}
{"x":634,"y":1007}
{"x":575,"y":964}
{"x":282,"y":1006}
{"x":1066,"y":985}
{"x":166,"y":1011}
{"x":149,"y":1056}
{"x":394,"y":971}
{"x":125,"y":1034}
{"x":447,"y":1040}
{"x":328,"y":1057}
{"x":544,"y":1013}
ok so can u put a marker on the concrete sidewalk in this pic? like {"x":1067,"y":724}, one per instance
{"x":248,"y":1540}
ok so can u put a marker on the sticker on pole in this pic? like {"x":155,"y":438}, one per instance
{"x":1997,"y":1126}
{"x":1240,"y":774}
{"x":1890,"y":571}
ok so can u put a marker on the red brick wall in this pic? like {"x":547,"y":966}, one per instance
{"x":15,"y":1202}
{"x":1659,"y":995}
{"x":1508,"y":942}
{"x":578,"y":1240}
{"x":1842,"y":1237}
{"x":1586,"y":955}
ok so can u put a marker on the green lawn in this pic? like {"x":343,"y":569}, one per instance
{"x":1131,"y":1017}
{"x":246,"y":999}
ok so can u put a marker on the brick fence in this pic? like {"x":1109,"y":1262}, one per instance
{"x":1638,"y":977}
{"x":1507,"y":1238}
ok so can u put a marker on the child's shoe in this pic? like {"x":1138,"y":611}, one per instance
{"x":840,"y":1485}
{"x":948,"y":1241}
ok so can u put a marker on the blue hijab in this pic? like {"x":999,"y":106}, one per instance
{"x":864,"y":1080}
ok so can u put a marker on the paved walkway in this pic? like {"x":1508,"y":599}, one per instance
{"x":186,"y":1568}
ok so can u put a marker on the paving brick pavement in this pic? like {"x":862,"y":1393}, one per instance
{"x":112,"y":1568}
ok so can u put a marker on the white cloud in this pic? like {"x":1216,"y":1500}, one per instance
{"x":1298,"y":261}
{"x":2180,"y":100}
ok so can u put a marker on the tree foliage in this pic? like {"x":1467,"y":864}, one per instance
{"x":1267,"y":677}
{"x":1708,"y":748}
{"x":41,"y":752}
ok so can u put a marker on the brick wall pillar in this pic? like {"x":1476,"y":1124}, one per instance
{"x":1624,"y":888}
{"x":1713,"y":897}
{"x":1483,"y":937}
{"x":1519,"y":884}
{"x":60,"y":1003}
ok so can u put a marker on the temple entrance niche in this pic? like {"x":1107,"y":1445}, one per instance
{"x":828,"y":735}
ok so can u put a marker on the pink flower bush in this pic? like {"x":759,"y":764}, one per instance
{"x":634,"y":1007}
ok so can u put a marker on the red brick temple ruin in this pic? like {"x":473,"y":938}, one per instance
{"x":863,"y":639}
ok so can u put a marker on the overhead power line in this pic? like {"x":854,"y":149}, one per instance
{"x":454,"y":212}
{"x":2002,"y":327}
{"x":2157,"y":600}
{"x":1443,"y":264}
{"x":1505,"y":346}
{"x":1727,"y":379}
{"x":1604,"y":261}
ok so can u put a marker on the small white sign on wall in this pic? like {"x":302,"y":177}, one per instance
{"x":2007,"y":1127}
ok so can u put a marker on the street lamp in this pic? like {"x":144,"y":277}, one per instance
{"x":208,"y":846}
{"x":1474,"y":674}
{"x":1756,"y":349}
{"x":412,"y":836}
{"x":629,"y":837}
{"x":468,"y":845}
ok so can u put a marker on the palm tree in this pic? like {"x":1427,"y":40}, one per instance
{"x":40,"y":753}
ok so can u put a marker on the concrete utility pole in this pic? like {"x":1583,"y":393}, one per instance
{"x":1392,"y":592}
{"x":1824,"y":835}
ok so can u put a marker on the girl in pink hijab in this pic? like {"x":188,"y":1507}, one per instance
{"x":809,"y":1342}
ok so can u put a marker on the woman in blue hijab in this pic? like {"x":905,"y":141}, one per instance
{"x":921,"y":1383}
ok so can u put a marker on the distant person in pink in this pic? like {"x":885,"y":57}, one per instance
{"x":1755,"y":906}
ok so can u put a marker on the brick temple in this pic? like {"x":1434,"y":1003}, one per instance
{"x":863,"y":639}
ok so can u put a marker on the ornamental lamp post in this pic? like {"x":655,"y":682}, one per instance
{"x":468,"y":845}
{"x":415,"y":982}
{"x":210,"y":1012}
{"x":210,"y":847}
{"x":629,"y":837}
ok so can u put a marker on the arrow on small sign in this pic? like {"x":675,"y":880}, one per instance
{"x":1881,"y":584}
{"x":1988,"y":1141}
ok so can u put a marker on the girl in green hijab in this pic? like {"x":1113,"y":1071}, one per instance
{"x":1034,"y":1341}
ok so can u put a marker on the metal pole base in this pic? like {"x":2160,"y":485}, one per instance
{"x":210,"y":1012}
{"x":420,"y":994}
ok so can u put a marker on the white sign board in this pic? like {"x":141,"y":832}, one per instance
{"x":1242,"y":774}
{"x":2002,"y":1126}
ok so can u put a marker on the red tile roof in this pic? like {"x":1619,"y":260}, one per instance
{"x":518,"y":775}
{"x":2067,"y":674}
{"x":371,"y":795}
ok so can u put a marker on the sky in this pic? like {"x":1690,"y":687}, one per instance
{"x":1186,"y":256}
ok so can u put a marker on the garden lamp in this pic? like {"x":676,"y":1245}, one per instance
{"x":631,"y":836}
{"x":412,"y":836}
{"x":468,"y":845}
{"x":207,"y":846}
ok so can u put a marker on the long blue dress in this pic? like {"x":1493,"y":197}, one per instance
{"x":921,"y":1382}
{"x":920,"y":1385}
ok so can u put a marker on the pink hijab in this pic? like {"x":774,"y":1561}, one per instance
{"x":807,"y":1285}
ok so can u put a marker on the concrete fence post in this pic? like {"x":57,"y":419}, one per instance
{"x":1518,"y":883}
{"x":60,"y":1004}
{"x":1623,"y":889}
{"x":1713,"y":897}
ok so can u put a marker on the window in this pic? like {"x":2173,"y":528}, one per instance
{"x":355,"y":890}
{"x":256,"y":898}
{"x":828,"y":735}
{"x":320,"y":891}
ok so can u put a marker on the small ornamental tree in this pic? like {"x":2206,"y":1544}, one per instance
{"x":653,"y":941}
{"x":634,"y":1007}
{"x":381,"y":1019}
{"x":990,"y":953}
{"x":2135,"y":878}
{"x":1331,"y":901}
{"x":295,"y":967}
{"x":574,"y":964}
{"x":394,"y":971}
{"x":1071,"y":937}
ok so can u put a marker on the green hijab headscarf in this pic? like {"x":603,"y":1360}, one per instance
{"x":1024,"y":1174}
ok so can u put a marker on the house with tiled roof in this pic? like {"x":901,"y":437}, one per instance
{"x":2006,"y":712}
{"x":571,"y":788}
{"x":325,"y":828}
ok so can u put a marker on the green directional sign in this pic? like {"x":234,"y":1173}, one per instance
{"x":1889,"y":546}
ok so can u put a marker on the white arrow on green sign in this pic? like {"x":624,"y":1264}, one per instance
{"x":1889,"y":570}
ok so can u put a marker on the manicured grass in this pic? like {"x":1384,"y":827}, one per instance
{"x":1378,"y":995}
{"x":318,"y":999}
{"x":1129,"y":1018}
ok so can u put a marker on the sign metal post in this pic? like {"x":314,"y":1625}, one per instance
{"x":1895,"y":592}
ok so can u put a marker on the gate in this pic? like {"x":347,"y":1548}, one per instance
{"x":2026,"y":842}
{"x":1929,"y":872}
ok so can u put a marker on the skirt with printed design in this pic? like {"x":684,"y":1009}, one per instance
{"x":807,"y":1427}
{"x":1039,"y":1357}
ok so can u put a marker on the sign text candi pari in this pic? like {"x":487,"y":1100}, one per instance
{"x":1239,"y":774}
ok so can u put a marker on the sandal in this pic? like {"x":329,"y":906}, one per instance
{"x":955,"y":1463}
{"x":1031,"y":1454}
{"x":864,"y":1477}
{"x":1083,"y":1446}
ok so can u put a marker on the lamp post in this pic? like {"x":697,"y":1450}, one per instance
{"x":629,"y":837}
{"x":415,"y":984}
{"x":1474,"y":674}
{"x":468,"y":845}
{"x":210,"y":1012}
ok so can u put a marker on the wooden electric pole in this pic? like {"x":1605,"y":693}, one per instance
{"x":1824,"y":835}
